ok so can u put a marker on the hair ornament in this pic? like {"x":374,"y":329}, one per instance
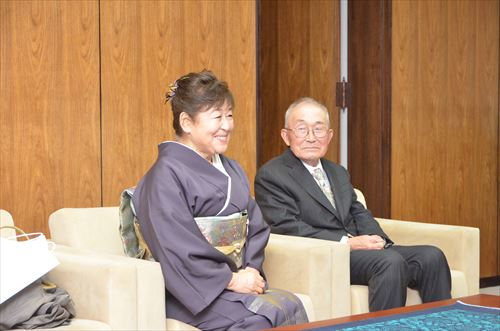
{"x":171,"y":91}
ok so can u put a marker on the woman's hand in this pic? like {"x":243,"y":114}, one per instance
{"x":247,"y":281}
{"x":250,"y":269}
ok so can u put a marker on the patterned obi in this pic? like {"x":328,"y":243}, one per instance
{"x":226,"y":233}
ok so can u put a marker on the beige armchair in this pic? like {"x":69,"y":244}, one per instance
{"x":338,"y":298}
{"x":319,"y":269}
{"x":93,"y":233}
{"x":460,"y":245}
{"x":6,"y":220}
{"x":72,"y":274}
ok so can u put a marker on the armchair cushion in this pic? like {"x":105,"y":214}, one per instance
{"x":6,"y":220}
{"x":459,"y":244}
{"x":359,"y":299}
{"x":66,"y":275}
{"x":99,"y":295}
{"x":82,"y":325}
{"x":94,"y":231}
{"x":318,"y":268}
{"x":120,"y":291}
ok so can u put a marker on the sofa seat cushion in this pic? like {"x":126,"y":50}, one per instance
{"x":178,"y":325}
{"x":458,"y":284}
{"x":81,"y":325}
{"x":359,"y":293}
{"x":305,"y":299}
{"x":308,"y":306}
{"x":359,"y":299}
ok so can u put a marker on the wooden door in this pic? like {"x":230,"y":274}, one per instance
{"x":299,"y":56}
{"x":369,"y":117}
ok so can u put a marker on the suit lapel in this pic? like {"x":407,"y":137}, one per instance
{"x":301,"y":175}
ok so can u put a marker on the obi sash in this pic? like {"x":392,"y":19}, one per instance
{"x":226,"y":233}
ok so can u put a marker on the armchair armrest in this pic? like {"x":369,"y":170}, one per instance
{"x":459,"y":244}
{"x":126,"y":293}
{"x":317,"y":268}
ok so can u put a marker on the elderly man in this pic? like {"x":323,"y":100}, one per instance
{"x":302,"y":194}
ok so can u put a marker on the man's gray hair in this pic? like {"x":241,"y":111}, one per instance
{"x":310,"y":101}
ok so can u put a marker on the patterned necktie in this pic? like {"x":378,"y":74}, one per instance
{"x":322,"y":181}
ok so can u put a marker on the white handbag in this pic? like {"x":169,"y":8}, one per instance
{"x":24,"y":261}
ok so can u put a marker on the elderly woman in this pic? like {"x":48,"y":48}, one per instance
{"x":198,"y":219}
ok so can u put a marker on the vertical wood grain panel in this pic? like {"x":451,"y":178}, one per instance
{"x":268,"y":112}
{"x":49,"y":114}
{"x":445,"y":116}
{"x":298,"y":56}
{"x":369,"y":117}
{"x":145,"y":46}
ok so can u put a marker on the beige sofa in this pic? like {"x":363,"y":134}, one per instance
{"x":92,"y":233}
{"x":460,"y":245}
{"x":73,"y":272}
{"x":317,"y":268}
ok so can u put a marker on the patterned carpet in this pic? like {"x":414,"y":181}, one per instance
{"x":458,"y":316}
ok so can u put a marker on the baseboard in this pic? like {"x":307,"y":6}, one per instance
{"x":489,"y":281}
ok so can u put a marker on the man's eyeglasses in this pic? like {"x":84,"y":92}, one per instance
{"x":302,"y":132}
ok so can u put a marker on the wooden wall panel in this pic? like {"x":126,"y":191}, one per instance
{"x":445,"y":114}
{"x":145,"y":47}
{"x":369,"y":117}
{"x":298,"y":56}
{"x":49,"y":114}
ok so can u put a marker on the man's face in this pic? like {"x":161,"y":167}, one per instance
{"x":305,"y":123}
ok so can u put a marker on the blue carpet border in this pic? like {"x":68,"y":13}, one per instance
{"x":457,"y":305}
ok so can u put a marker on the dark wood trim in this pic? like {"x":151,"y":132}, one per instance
{"x":258,"y":124}
{"x":369,"y":149}
{"x":489,"y":281}
{"x":268,"y":140}
{"x":386,"y":109}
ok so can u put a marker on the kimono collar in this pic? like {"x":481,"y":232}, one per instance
{"x":217,"y":162}
{"x":166,"y":145}
{"x":217,"y":174}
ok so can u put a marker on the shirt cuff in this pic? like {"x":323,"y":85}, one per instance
{"x":344,"y":239}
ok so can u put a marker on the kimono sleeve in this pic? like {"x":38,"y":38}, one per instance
{"x":258,"y":236}
{"x":195,"y":273}
{"x":258,"y":229}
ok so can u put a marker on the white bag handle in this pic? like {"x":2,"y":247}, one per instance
{"x":22,"y":262}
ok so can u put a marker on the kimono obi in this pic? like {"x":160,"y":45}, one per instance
{"x":226,"y":233}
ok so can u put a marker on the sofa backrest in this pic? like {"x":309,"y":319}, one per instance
{"x":361,"y":197}
{"x":93,"y":229}
{"x":6,"y":220}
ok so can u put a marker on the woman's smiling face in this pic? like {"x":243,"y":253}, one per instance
{"x":210,"y":130}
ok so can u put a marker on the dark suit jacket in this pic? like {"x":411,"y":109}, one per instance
{"x":293,"y":203}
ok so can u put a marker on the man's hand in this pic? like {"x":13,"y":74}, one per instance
{"x":366,"y":242}
{"x":247,"y":281}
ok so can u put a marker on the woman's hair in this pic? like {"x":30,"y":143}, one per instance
{"x":196,"y":92}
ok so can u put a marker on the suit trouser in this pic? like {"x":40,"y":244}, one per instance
{"x":389,"y":272}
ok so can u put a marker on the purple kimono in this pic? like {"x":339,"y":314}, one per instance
{"x":182,"y":185}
